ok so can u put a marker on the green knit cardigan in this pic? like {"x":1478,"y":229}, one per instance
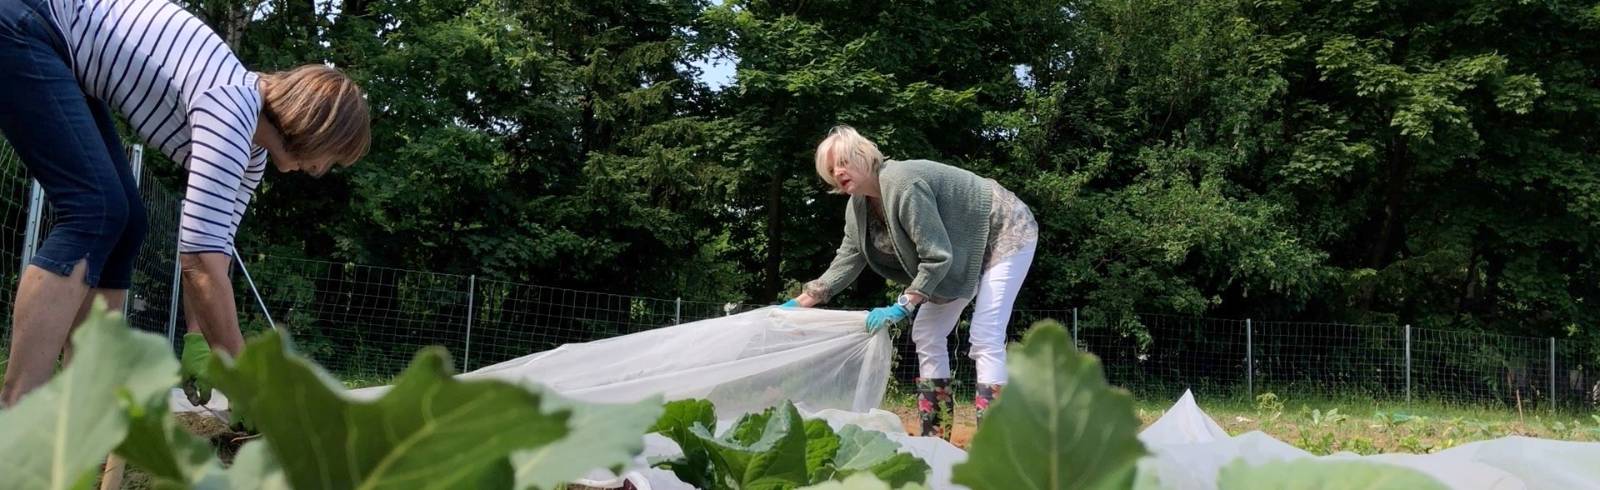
{"x":938,"y":217}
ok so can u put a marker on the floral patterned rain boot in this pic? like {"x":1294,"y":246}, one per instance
{"x":987,"y":393}
{"x":936,"y":406}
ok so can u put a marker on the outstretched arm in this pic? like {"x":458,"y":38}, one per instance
{"x":847,"y":265}
{"x":207,"y":288}
{"x":222,"y":123}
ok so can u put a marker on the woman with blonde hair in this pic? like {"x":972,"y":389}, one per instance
{"x":68,"y":64}
{"x":952,"y":236}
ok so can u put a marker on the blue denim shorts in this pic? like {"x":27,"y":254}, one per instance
{"x":69,"y":143}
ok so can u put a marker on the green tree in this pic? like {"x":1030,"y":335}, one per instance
{"x":553,"y":141}
{"x":916,"y":79}
{"x":1424,"y":162}
{"x":1420,"y":162}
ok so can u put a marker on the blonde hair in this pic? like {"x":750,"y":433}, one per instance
{"x":848,"y":147}
{"x":319,"y":111}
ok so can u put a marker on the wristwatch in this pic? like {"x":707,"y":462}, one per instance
{"x":905,"y":302}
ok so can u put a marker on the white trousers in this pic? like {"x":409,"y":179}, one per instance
{"x":991,"y":314}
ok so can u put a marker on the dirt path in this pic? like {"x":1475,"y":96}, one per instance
{"x":965,"y":423}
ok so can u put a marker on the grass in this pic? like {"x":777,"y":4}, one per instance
{"x":1324,"y":425}
{"x":353,"y":382}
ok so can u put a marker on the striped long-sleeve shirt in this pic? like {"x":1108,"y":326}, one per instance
{"x":184,"y":92}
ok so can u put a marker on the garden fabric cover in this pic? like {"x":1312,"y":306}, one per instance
{"x":819,"y":359}
{"x":824,"y":362}
{"x":1189,"y":449}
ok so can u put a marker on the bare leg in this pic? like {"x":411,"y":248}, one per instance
{"x":114,"y":301}
{"x":44,"y":308}
{"x":191,"y":324}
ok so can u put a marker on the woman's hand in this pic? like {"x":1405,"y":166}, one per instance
{"x":803,"y":301}
{"x":895,"y":313}
{"x":882,"y":317}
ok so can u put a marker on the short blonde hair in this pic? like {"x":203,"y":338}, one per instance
{"x":319,"y":111}
{"x":847,"y":146}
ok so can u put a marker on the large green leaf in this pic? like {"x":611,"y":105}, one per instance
{"x":254,"y":467}
{"x":57,"y":435}
{"x":868,"y":451}
{"x":1058,"y":425}
{"x":821,"y":442}
{"x":762,"y":449}
{"x":821,"y":447}
{"x":603,"y":436}
{"x":428,"y":431}
{"x":1146,"y":480}
{"x":776,"y":459}
{"x":862,"y":481}
{"x":169,"y":454}
{"x":499,"y":474}
{"x":677,"y":420}
{"x":677,"y":417}
{"x":1309,"y":474}
{"x":749,"y":427}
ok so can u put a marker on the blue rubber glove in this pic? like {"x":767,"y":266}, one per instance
{"x":881,"y":317}
{"x":791,"y":304}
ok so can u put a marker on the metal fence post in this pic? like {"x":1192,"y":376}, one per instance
{"x":177,"y":291}
{"x":177,"y":279}
{"x":136,"y":164}
{"x":1075,"y":328}
{"x":1249,"y":359}
{"x":30,"y":241}
{"x":260,"y":300}
{"x":136,"y":160}
{"x":472,"y":295}
{"x":1552,"y":373}
{"x":677,"y":311}
{"x":1408,"y":363}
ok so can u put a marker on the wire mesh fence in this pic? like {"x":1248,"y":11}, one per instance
{"x":27,"y":218}
{"x":1512,"y":371}
{"x":152,"y":300}
{"x":516,"y":319}
{"x":365,"y":323}
{"x":15,"y":192}
{"x":1301,"y":357}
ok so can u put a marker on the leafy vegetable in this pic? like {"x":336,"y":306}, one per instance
{"x":775,"y":448}
{"x":1059,"y":425}
{"x":56,"y":436}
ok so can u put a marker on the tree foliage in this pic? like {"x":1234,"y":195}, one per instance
{"x":1431,"y":163}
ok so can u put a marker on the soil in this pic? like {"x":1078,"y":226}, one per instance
{"x":226,"y":440}
{"x":964,"y":425}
